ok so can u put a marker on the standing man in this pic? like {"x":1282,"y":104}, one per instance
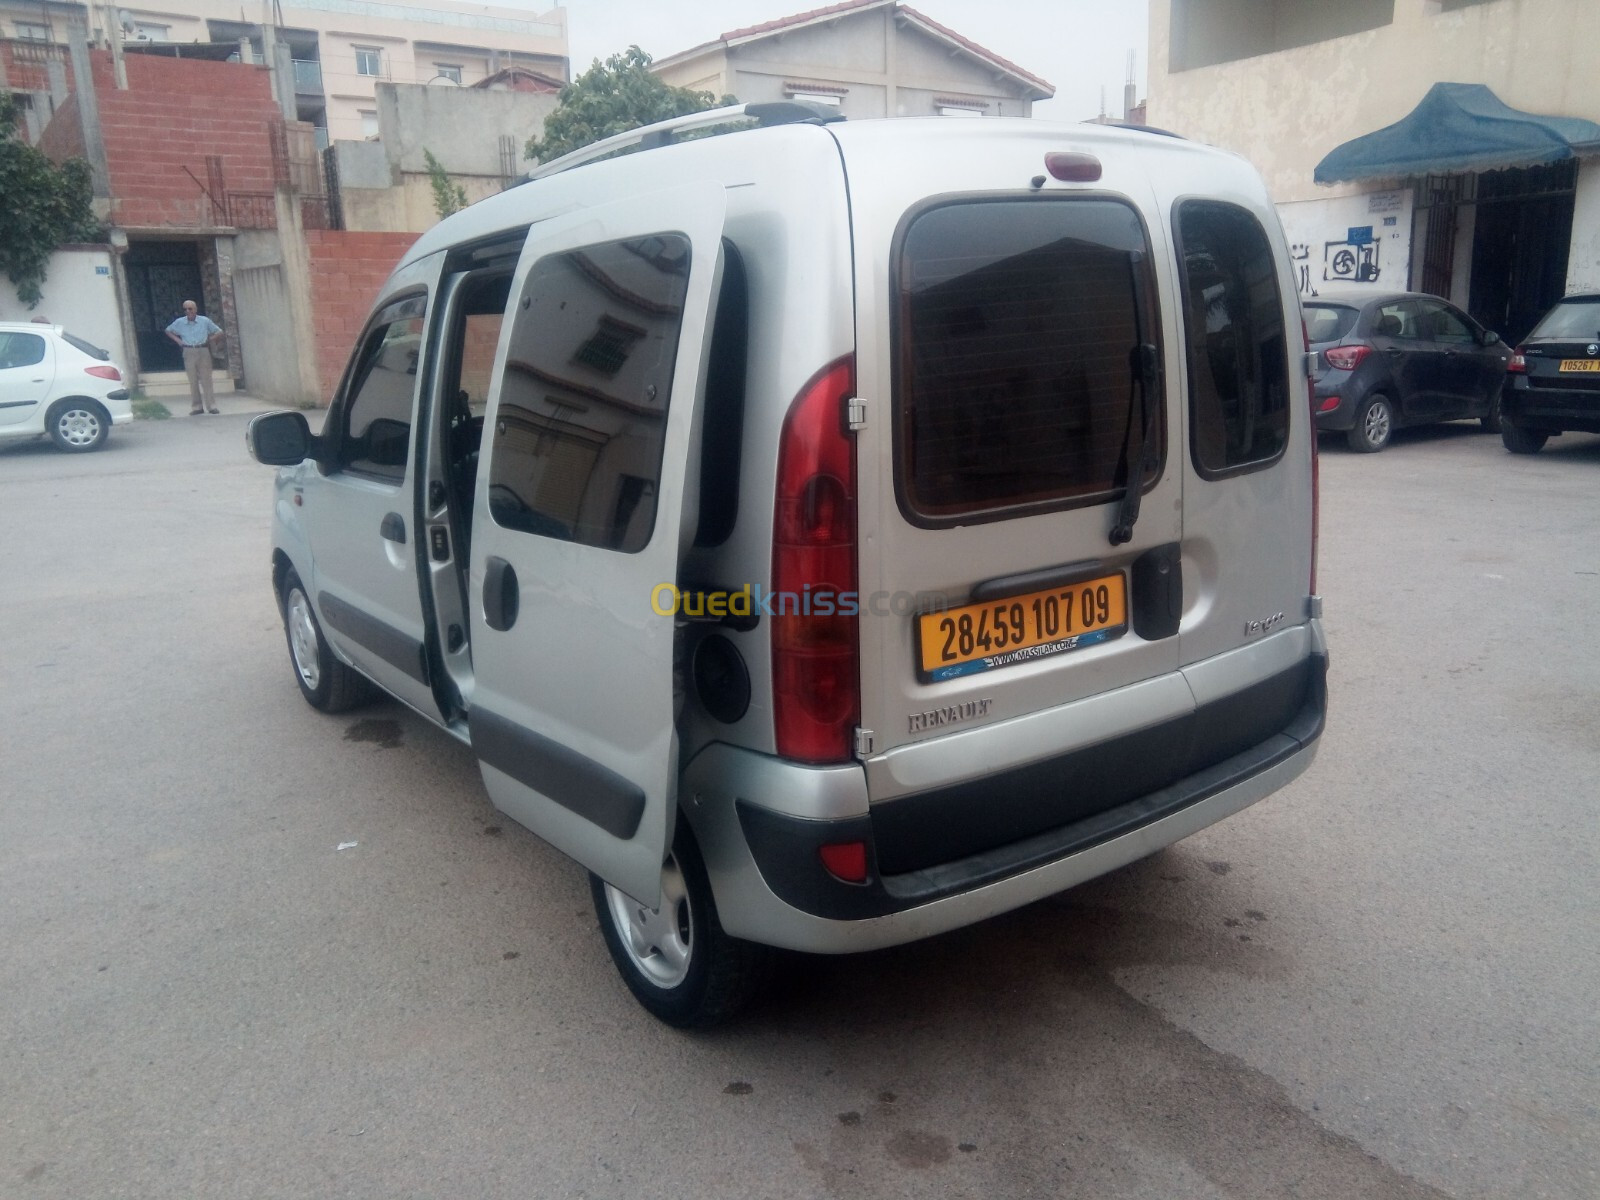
{"x":195,"y":334}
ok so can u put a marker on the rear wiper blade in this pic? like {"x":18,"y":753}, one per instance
{"x":1145,"y":366}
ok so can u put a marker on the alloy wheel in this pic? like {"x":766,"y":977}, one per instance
{"x":660,"y":943}
{"x":303,"y":642}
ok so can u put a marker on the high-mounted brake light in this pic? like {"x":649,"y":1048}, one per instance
{"x":1517,"y":364}
{"x":1072,"y":166}
{"x":103,"y":372}
{"x":1346,"y":358}
{"x":816,"y":697}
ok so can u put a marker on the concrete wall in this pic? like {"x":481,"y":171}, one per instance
{"x":1285,"y":111}
{"x":1325,"y":259}
{"x":1583,"y":264}
{"x":78,"y":297}
{"x":461,"y":126}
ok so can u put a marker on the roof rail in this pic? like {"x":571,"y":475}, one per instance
{"x":664,"y":133}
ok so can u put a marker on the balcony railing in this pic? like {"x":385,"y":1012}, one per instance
{"x":307,"y":77}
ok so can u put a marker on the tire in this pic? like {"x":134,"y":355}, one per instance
{"x":327,"y":684}
{"x":77,"y":426}
{"x":1519,"y":440}
{"x":1491,"y":419}
{"x":678,"y":963}
{"x":1374,"y":425}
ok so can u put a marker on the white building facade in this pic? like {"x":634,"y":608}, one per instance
{"x":1286,"y":83}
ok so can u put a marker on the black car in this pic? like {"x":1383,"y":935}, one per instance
{"x":1390,"y":359}
{"x":1555,"y":377}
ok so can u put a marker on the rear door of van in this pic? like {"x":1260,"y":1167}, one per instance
{"x":1248,"y":541}
{"x":1027,"y":347}
{"x":581,"y":512}
{"x":1016,"y":372}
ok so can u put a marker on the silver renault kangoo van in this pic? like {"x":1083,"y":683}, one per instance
{"x":828,"y":534}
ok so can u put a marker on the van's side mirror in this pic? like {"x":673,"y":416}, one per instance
{"x":280,"y":439}
{"x":1490,"y":338}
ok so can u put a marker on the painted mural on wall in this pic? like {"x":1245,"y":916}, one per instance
{"x":1352,"y":241}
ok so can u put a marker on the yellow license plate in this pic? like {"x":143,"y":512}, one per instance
{"x":1580,"y":364}
{"x":1019,"y":629}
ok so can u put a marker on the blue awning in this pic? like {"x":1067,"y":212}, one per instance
{"x":1459,"y":127}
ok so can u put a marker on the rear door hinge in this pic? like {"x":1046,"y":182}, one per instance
{"x":866,"y":740}
{"x":855,"y":413}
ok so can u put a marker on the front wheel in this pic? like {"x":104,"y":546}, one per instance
{"x":326,"y":683}
{"x":78,"y":426}
{"x":1374,"y":426}
{"x":676,"y":960}
{"x":1519,"y":440}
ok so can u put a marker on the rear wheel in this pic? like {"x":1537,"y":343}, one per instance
{"x":676,"y":960}
{"x":78,"y":426}
{"x":1374,"y":425}
{"x":1519,"y":440}
{"x":325,"y":682}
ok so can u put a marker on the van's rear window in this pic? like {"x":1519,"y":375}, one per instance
{"x":1017,"y":325}
{"x":1238,"y":353}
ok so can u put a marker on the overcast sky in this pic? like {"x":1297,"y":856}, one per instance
{"x":1079,"y":46}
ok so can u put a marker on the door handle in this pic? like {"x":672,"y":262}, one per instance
{"x":1392,"y":352}
{"x":393,"y":528}
{"x":501,"y":597}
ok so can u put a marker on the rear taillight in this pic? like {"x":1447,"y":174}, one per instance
{"x":1346,"y":358}
{"x":103,"y":372}
{"x":816,"y":690}
{"x":1517,"y":364}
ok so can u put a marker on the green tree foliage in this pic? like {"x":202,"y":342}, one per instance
{"x":447,"y":197}
{"x":44,"y":206}
{"x":612,"y":98}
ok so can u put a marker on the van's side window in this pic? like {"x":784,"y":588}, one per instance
{"x":578,"y":435}
{"x":1235,"y":338}
{"x":377,"y":408}
{"x":1015,"y":342}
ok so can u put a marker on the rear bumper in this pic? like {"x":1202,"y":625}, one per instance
{"x":1551,"y":409}
{"x":1334,"y":388}
{"x":772,"y":888}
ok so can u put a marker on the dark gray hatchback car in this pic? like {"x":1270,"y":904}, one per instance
{"x":1386,"y":360}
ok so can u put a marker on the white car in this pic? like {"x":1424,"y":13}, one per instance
{"x":52,"y":382}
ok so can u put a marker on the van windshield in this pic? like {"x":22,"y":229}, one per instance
{"x":1017,"y":325}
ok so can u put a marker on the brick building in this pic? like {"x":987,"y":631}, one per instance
{"x":210,"y":194}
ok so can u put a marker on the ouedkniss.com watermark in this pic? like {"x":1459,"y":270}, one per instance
{"x":753,"y":600}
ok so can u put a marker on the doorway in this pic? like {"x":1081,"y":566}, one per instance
{"x":1520,"y":245}
{"x":161,"y":276}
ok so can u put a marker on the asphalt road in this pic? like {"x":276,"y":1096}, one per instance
{"x":1379,"y":983}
